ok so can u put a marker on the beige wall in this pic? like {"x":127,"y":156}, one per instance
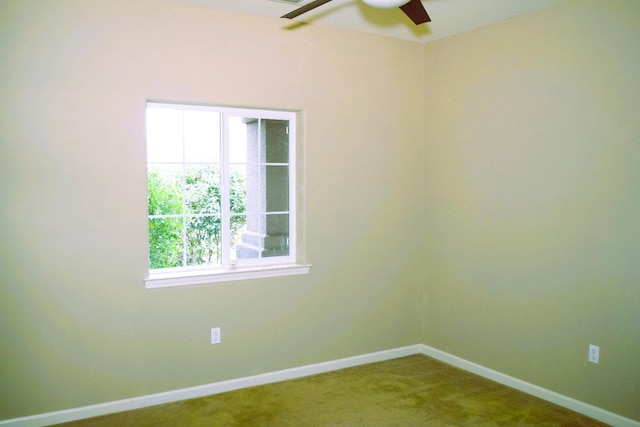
{"x":503,"y":191}
{"x":532,"y":173}
{"x":78,"y":327}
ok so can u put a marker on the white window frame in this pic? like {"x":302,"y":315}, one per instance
{"x":241,"y":269}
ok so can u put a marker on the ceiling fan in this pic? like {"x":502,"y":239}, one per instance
{"x":412,"y":8}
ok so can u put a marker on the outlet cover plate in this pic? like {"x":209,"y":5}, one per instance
{"x":216,"y":338}
{"x":594,"y":353}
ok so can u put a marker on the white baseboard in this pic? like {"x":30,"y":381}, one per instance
{"x":303,"y":371}
{"x":542,"y":393}
{"x":206,"y":390}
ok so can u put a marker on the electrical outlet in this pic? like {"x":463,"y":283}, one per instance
{"x":594,"y":353}
{"x":216,"y":338}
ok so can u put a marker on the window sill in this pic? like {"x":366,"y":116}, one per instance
{"x":166,"y":280}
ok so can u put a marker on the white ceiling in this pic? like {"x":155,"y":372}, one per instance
{"x":448,"y":16}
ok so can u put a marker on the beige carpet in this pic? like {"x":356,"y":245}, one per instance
{"x":410,"y":391}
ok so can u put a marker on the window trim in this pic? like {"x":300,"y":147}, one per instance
{"x":281,"y":266}
{"x":201,"y":277}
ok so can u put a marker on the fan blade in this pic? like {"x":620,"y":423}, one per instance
{"x":304,"y":9}
{"x":416,"y":12}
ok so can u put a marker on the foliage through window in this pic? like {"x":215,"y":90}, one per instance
{"x":220,"y":187}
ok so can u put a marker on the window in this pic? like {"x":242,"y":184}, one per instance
{"x":221,"y":194}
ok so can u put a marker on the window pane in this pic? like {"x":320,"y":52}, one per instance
{"x":263,"y":236}
{"x":202,"y":189}
{"x":202,"y":136}
{"x":247,"y":240}
{"x":238,"y":232}
{"x":165,"y":242}
{"x":255,"y":188}
{"x":164,"y":135}
{"x":238,"y":189}
{"x":278,"y":227}
{"x":204,"y":240}
{"x":238,"y":139}
{"x":164,"y":190}
{"x":276,"y":141}
{"x":277,"y":180}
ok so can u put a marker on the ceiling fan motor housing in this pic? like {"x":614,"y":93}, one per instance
{"x":385,"y":4}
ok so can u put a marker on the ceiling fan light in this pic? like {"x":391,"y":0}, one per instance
{"x":385,"y":4}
